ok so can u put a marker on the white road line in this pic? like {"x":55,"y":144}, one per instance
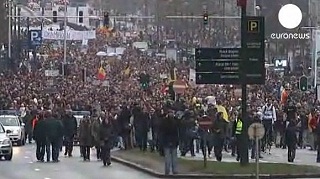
{"x":36,"y":169}
{"x":26,"y":157}
{"x":47,"y":178}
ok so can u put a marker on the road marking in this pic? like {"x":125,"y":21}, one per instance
{"x":30,"y":162}
{"x":36,"y":169}
{"x":47,"y":178}
{"x":26,"y":157}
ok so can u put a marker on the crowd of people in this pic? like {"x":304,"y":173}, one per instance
{"x":124,"y":114}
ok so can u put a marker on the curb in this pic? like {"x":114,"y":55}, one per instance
{"x":208,"y":176}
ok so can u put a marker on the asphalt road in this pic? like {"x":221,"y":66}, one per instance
{"x":25,"y":166}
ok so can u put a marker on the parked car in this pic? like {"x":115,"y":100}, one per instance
{"x":6,"y":149}
{"x":13,"y":124}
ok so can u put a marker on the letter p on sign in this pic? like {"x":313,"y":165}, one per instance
{"x":34,"y":35}
{"x":253,"y":26}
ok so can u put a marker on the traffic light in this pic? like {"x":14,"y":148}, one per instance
{"x":106,"y":19}
{"x":205,"y":18}
{"x":55,"y":16}
{"x":80,"y":16}
{"x":303,"y":83}
{"x":144,"y":81}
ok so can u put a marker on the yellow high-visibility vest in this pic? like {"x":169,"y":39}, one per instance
{"x":239,"y":127}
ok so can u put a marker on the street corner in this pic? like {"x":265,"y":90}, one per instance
{"x":137,"y":167}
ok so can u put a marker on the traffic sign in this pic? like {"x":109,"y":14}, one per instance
{"x":179,"y":86}
{"x":254,"y":54}
{"x":256,"y":130}
{"x":217,"y":65}
{"x":35,"y":38}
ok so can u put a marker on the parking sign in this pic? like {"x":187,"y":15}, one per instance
{"x":35,"y":38}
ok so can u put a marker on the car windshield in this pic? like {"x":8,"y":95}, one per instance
{"x":9,"y":121}
{"x":1,"y":129}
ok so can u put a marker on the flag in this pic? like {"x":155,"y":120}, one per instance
{"x":101,"y":73}
{"x":172,"y":73}
{"x":127,"y":70}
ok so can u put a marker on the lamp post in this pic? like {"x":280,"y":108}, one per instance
{"x":64,"y":38}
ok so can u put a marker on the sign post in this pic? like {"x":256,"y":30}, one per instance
{"x":256,"y":132}
{"x":253,"y":69}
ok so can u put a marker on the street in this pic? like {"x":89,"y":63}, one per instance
{"x":24,"y":165}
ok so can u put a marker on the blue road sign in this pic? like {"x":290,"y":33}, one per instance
{"x":35,"y":38}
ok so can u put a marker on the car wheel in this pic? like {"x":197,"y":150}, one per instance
{"x":19,"y":143}
{"x":8,"y":157}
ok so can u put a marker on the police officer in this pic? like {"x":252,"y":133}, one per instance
{"x":236,"y":134}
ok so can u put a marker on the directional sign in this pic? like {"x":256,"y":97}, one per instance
{"x":35,"y":38}
{"x":217,"y":65}
{"x":254,"y":54}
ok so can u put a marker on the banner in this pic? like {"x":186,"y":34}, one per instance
{"x":71,"y":35}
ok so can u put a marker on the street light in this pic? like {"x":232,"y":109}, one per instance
{"x":65,"y":37}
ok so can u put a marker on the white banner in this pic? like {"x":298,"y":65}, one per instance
{"x":71,"y":35}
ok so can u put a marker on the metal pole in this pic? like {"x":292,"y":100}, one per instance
{"x":204,"y":148}
{"x":64,"y":38}
{"x":14,"y":23}
{"x":255,"y":7}
{"x":9,"y":29}
{"x":19,"y":33}
{"x":244,"y":157}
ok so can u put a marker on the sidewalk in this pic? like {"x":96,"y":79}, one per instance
{"x":303,"y":157}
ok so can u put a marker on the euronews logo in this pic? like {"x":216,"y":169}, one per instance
{"x":290,"y":17}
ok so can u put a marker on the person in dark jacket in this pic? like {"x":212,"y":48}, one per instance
{"x":95,"y":126}
{"x":70,"y":129}
{"x":28,"y":125}
{"x":141,"y":124}
{"x":40,"y":136}
{"x":125,"y":126}
{"x":219,"y":132}
{"x":169,"y":132}
{"x":85,"y":138}
{"x":106,"y":139}
{"x":291,"y":139}
{"x":54,"y":134}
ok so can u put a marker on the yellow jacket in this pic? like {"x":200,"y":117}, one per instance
{"x":222,"y":109}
